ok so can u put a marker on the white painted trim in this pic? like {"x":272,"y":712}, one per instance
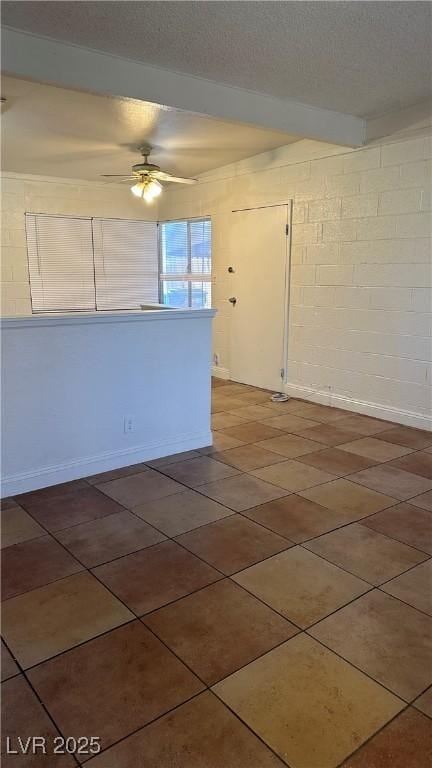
{"x":71,"y":66}
{"x":377,"y":411}
{"x":220,"y":373}
{"x":93,"y":465}
{"x":86,"y":318}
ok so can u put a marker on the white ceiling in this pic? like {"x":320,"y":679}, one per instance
{"x":52,"y":131}
{"x":360,"y":58}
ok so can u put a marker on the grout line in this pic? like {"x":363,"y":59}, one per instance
{"x":223,"y":577}
{"x":359,"y":748}
{"x":362,"y":671}
{"x":23,"y":674}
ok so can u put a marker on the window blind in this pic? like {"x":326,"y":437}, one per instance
{"x":126,"y":263}
{"x":185,"y":258}
{"x":60,"y":255}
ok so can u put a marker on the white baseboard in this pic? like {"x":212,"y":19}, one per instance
{"x":385,"y":412}
{"x":93,"y":465}
{"x":220,"y":373}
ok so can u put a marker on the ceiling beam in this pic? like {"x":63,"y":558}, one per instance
{"x":70,"y":66}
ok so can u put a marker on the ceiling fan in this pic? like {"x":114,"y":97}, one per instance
{"x":147,"y":177}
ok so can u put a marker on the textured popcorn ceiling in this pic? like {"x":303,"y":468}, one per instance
{"x":362,"y":58}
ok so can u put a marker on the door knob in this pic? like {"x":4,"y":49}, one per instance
{"x":231,"y":270}
{"x":233,"y":300}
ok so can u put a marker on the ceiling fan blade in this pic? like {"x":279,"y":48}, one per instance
{"x":167,"y":177}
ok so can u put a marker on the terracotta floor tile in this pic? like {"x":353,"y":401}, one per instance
{"x":9,"y":668}
{"x":51,"y":619}
{"x":336,"y":462}
{"x":23,"y":717}
{"x":387,"y":479}
{"x":316,"y":588}
{"x":406,"y":742}
{"x":17,"y":526}
{"x":292,"y":475}
{"x":316,"y":412}
{"x":252,"y":433}
{"x":8,"y":503}
{"x":233,"y":388}
{"x":233,"y":544}
{"x":202,"y":733}
{"x":414,"y":587}
{"x":419,"y":463}
{"x":34,"y":563}
{"x":255,"y":397}
{"x":69,"y":509}
{"x":341,"y":494}
{"x":424,"y":501}
{"x":253,"y":412}
{"x":366,"y":553}
{"x":181,"y":512}
{"x":385,"y":638}
{"x":290,"y":423}
{"x":114,"y":684}
{"x":405,"y":523}
{"x":299,"y":519}
{"x":242,"y":492}
{"x":114,"y":474}
{"x":290,"y":406}
{"x":150,"y":578}
{"x":248,"y":457}
{"x":372,"y":448}
{"x":222,"y":404}
{"x":329,"y":434}
{"x":307,"y":704}
{"x":219,"y":629}
{"x":218,"y":382}
{"x":51,"y":492}
{"x":221,"y":442}
{"x":196,"y":472}
{"x":173,"y":459}
{"x":411,"y":438}
{"x":101,"y":540}
{"x":424,"y":702}
{"x":365,"y":425}
{"x":136,"y":489}
{"x":226,"y":420}
{"x":290,"y":446}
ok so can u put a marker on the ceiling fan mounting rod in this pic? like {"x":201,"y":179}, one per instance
{"x":145,"y":151}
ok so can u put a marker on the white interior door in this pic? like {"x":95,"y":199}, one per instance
{"x":258,"y":291}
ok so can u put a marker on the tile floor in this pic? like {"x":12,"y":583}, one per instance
{"x":262,"y":602}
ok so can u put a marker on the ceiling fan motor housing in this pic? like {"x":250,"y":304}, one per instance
{"x":144,"y":168}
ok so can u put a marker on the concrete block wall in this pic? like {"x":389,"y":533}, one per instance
{"x":21,"y":194}
{"x":361,"y":271}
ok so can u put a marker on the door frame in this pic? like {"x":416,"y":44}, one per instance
{"x":288,"y":204}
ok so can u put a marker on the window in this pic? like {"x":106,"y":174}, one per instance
{"x":87,"y":264}
{"x":185,"y":263}
{"x":126,"y":263}
{"x":60,"y":255}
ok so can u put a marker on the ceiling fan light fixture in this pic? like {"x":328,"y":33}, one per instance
{"x":147,"y":189}
{"x":152,"y":190}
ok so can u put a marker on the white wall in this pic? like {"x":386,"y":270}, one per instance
{"x":360,"y":299}
{"x":69,"y":381}
{"x":32,"y":194}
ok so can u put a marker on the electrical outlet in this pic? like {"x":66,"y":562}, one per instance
{"x":128,"y":425}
